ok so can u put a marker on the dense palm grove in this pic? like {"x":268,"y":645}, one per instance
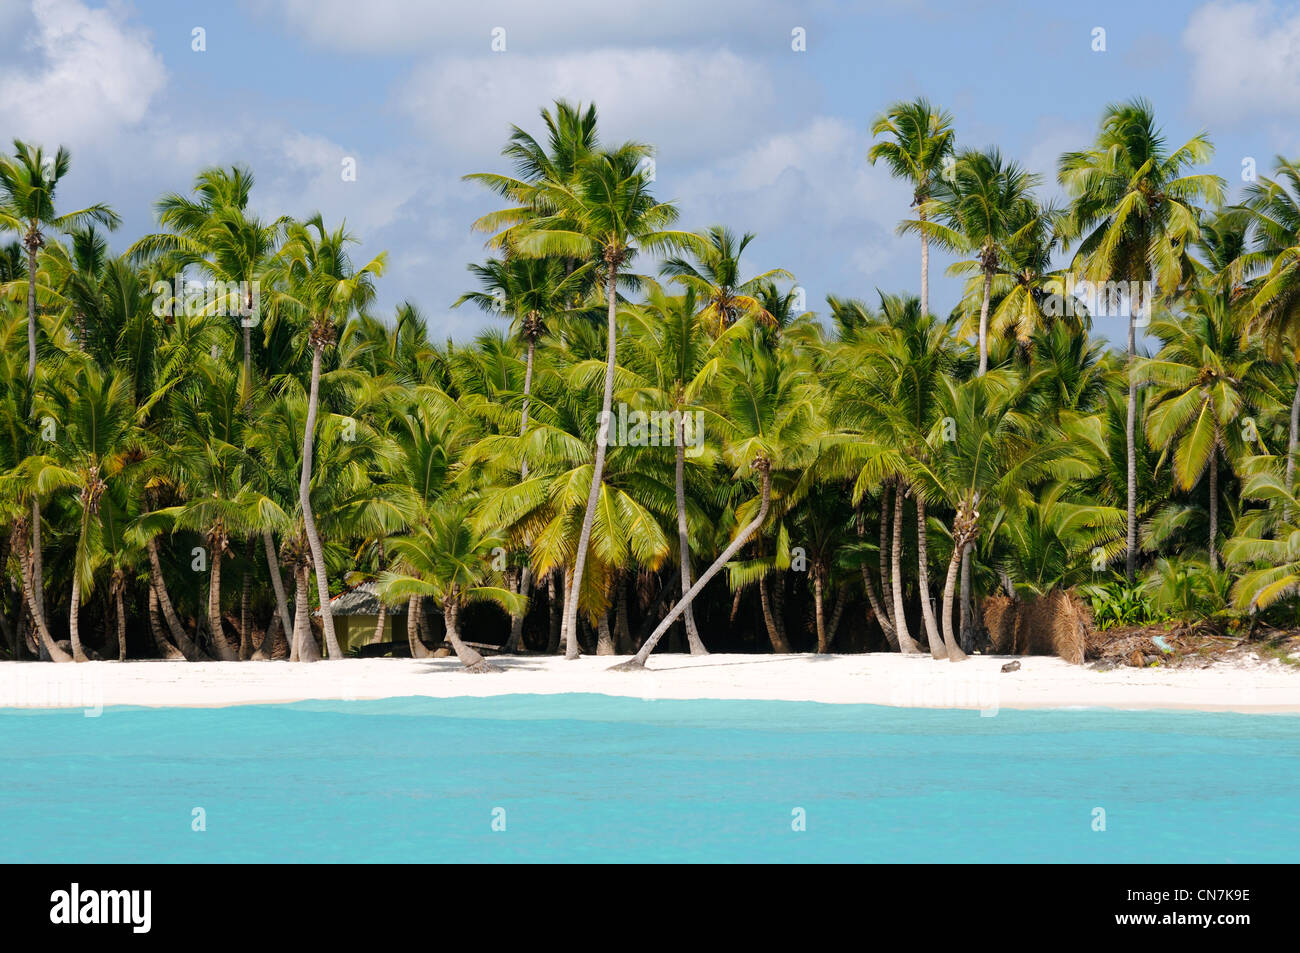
{"x":191,"y":467}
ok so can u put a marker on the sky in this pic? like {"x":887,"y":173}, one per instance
{"x":750,"y":130}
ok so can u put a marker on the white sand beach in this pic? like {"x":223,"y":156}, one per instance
{"x":1249,"y":684}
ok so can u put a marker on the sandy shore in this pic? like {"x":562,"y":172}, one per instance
{"x":880,"y":679}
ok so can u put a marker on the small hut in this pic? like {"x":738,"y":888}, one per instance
{"x":356,"y":615}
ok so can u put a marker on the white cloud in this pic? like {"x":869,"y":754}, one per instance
{"x":88,"y":75}
{"x":1245,"y":60}
{"x":686,"y":103}
{"x":531,"y":26}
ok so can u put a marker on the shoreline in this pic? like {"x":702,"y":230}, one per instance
{"x":1254,"y":686}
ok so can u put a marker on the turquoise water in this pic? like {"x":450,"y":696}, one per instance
{"x":593,"y":778}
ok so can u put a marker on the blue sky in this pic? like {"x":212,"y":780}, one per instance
{"x":749,"y":132}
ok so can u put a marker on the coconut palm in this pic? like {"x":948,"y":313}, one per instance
{"x":770,"y":409}
{"x":919,"y":140}
{"x":605,"y":217}
{"x":1208,"y":378}
{"x":713,"y":273}
{"x":445,"y":558}
{"x":320,"y":287}
{"x":1132,"y":219}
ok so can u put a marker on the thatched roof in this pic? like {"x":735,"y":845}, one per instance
{"x":360,"y":600}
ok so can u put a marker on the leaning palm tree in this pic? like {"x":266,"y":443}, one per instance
{"x":605,"y":217}
{"x":769,"y":406}
{"x":1133,"y":217}
{"x":322,"y":287}
{"x":919,"y":140}
{"x":445,"y":558}
{"x":713,"y":273}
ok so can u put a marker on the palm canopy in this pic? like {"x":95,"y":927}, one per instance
{"x":1133,"y":215}
{"x":918,"y":138}
{"x":712,"y":271}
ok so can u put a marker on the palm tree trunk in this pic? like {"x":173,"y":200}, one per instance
{"x":872,"y":598}
{"x":925,"y":268}
{"x":517,"y":618}
{"x":841,"y":600}
{"x":308,"y":518}
{"x":819,"y":615}
{"x":937,"y":649}
{"x":277,"y":581}
{"x":381,"y":621}
{"x":38,"y":568}
{"x":121,"y":623}
{"x":569,"y":633}
{"x":219,"y":643}
{"x":984,"y":323}
{"x":554,"y":612}
{"x":414,"y":611}
{"x":1214,"y":508}
{"x":598,"y":470}
{"x":189,"y":648}
{"x":639,"y":660}
{"x":245,"y":611}
{"x":25,"y":565}
{"x":683,"y":538}
{"x":604,"y":635}
{"x":32,"y":241}
{"x":891,"y":631}
{"x":775,"y":633}
{"x":965,"y":616}
{"x":905,"y":643}
{"x":955,"y":654}
{"x":528,"y":389}
{"x":471,"y":659}
{"x":164,"y":648}
{"x":304,"y":647}
{"x":1130,"y":440}
{"x":1294,"y":435}
{"x":74,"y":616}
{"x":622,"y":628}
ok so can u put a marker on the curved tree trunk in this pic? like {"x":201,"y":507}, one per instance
{"x":309,"y":518}
{"x":189,"y":648}
{"x":471,"y":659}
{"x":25,"y":563}
{"x":955,"y":654}
{"x":38,"y":573}
{"x":277,"y":583}
{"x":381,"y":623}
{"x":414,"y":616}
{"x":683,"y":537}
{"x":771,"y":615}
{"x":74,"y":618}
{"x":164,"y":648}
{"x":598,"y":469}
{"x":515,"y":640}
{"x":604,"y":636}
{"x":905,"y":643}
{"x":639,"y":660}
{"x":937,"y":649}
{"x":219,"y":643}
{"x":841,"y":600}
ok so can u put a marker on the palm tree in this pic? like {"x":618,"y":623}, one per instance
{"x":998,"y":448}
{"x":605,"y":216}
{"x":28,"y":183}
{"x":321,"y":287}
{"x":1274,"y":208}
{"x":985,"y":207}
{"x":1207,"y":377}
{"x":769,"y":407}
{"x":919,"y":141}
{"x":447,"y":559}
{"x":1133,"y":218}
{"x":714,"y":276}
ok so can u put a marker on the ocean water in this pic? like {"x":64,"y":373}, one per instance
{"x":595,"y":778}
